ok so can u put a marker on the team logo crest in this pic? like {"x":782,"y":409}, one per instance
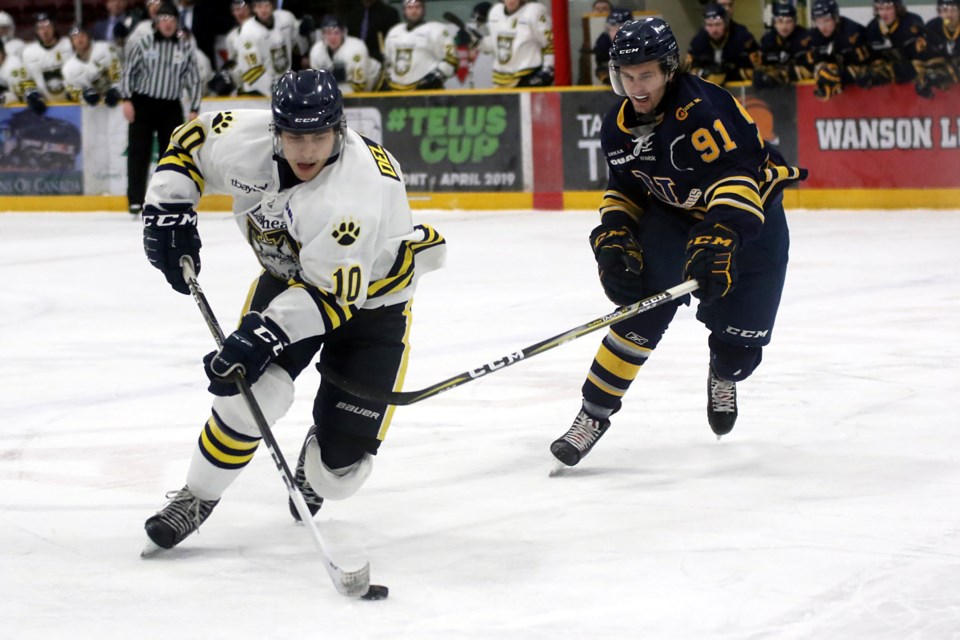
{"x":504,"y":48}
{"x":346,"y":233}
{"x":404,"y":61}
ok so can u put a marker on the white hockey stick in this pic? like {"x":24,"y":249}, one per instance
{"x":354,"y":583}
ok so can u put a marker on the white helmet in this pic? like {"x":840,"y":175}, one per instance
{"x":6,"y":21}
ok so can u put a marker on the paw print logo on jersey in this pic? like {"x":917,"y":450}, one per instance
{"x":346,"y":233}
{"x":221,"y":121}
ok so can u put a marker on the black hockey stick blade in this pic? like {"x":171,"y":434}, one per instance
{"x":455,"y":20}
{"x":409,"y":397}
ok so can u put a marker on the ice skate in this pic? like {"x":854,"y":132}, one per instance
{"x":576,"y":443}
{"x":721,"y":404}
{"x":179,"y":518}
{"x":314,"y":502}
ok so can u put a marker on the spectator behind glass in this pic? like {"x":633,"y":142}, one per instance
{"x":601,"y":48}
{"x":371,"y":20}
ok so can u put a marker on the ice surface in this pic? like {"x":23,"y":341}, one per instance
{"x":829,"y":512}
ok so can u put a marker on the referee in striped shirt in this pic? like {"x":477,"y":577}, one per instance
{"x":159,"y":68}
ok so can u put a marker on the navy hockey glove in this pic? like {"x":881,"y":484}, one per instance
{"x":36,"y":103}
{"x":619,"y":261}
{"x":91,"y":96}
{"x":168,"y":236}
{"x":249,"y":351}
{"x":308,"y":26}
{"x":433,"y":80}
{"x":339,"y":72}
{"x":711,"y":260}
{"x":542,"y":78}
{"x":112,"y":97}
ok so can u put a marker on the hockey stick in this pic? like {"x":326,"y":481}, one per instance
{"x":353,"y":584}
{"x":455,"y":20}
{"x":410,"y":397}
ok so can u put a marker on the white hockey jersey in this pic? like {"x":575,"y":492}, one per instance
{"x":264,"y":54}
{"x":520,"y":42}
{"x":14,"y":47}
{"x":361,"y":71}
{"x":346,"y":237}
{"x":409,"y":55}
{"x":15,"y":82}
{"x":45,"y":66}
{"x":101,"y":70}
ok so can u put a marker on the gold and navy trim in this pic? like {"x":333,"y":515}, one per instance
{"x":617,"y":201}
{"x":225,"y":448}
{"x":739,"y":192}
{"x":253,"y":74}
{"x":333,"y":314}
{"x":177,"y":160}
{"x":401,"y":272}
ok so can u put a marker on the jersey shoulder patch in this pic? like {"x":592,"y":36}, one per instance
{"x":382,"y":159}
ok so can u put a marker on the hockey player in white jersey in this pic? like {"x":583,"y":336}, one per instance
{"x":265,"y":47}
{"x":521,"y":41}
{"x":8,"y":36}
{"x":228,"y":78}
{"x":44,"y":59}
{"x":346,"y":57}
{"x":93,"y":73}
{"x":418,"y":54}
{"x":326,"y":213}
{"x":15,"y":82}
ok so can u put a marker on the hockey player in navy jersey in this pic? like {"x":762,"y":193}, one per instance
{"x":326,"y":213}
{"x":838,"y":51}
{"x":693,"y":193}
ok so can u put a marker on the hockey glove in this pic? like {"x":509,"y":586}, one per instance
{"x":308,"y":26}
{"x":248,"y":351}
{"x":829,"y":81}
{"x":433,"y":80}
{"x":91,"y":96}
{"x":167,"y":238}
{"x":112,"y":97}
{"x":542,"y":78}
{"x":339,"y":72}
{"x":711,"y":260}
{"x":36,"y":103}
{"x":619,"y":262}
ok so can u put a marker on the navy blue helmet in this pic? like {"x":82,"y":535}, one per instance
{"x":307,"y":101}
{"x":784,"y":10}
{"x":823,"y":8}
{"x":641,"y":41}
{"x":714,"y":11}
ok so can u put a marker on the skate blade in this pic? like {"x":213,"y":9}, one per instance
{"x":150,"y":549}
{"x":558,"y":468}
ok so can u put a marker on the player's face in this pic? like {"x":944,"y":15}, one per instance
{"x":264,"y":10}
{"x":511,"y":5}
{"x":826,"y":25}
{"x":80,"y":42}
{"x":728,"y":5}
{"x":240,"y":12}
{"x":45,"y":32}
{"x":715,"y":28}
{"x":333,"y":37}
{"x":887,"y":12}
{"x":413,"y":12}
{"x":645,"y":84}
{"x":784,"y":25}
{"x":307,"y":152}
{"x":950,"y":14}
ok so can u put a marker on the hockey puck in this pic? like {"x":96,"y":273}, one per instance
{"x":376,"y":592}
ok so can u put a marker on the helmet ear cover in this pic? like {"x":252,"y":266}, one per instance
{"x":642,"y":41}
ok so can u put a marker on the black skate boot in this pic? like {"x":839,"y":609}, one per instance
{"x":179,"y":518}
{"x":314,"y":502}
{"x":576,"y":443}
{"x":721,"y":404}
